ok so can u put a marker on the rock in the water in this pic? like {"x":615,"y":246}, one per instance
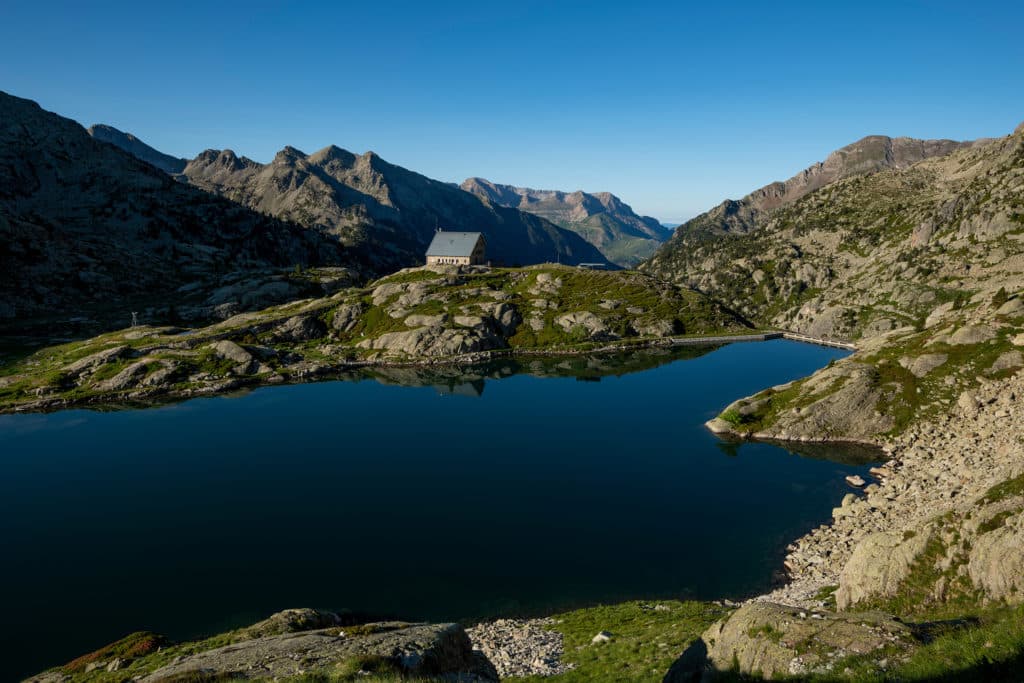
{"x":855,"y":480}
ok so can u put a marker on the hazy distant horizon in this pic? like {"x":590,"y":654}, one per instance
{"x":673,"y":108}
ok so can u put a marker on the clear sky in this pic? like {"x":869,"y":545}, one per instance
{"x":673,"y":106}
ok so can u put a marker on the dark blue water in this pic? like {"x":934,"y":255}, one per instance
{"x":464,"y":496}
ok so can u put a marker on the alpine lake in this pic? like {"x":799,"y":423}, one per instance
{"x":521,"y":487}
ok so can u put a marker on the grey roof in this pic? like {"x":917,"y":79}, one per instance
{"x":453,"y":243}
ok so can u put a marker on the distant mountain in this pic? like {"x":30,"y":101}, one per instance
{"x":868,"y":155}
{"x":138,"y":148}
{"x":384,"y":212}
{"x":601,"y":218}
{"x":86,"y":226}
{"x":871,"y":252}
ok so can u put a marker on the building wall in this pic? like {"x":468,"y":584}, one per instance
{"x":448,"y":260}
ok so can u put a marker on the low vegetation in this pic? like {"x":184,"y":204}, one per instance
{"x":415,"y":316}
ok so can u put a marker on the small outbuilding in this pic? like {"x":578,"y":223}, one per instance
{"x":457,"y":249}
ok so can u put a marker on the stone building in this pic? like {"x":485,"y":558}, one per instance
{"x":457,"y":249}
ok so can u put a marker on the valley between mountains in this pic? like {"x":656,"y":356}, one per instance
{"x":248,"y":273}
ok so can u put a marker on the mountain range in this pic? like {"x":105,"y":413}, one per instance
{"x":94,"y":219}
{"x":85,"y":225}
{"x":601,"y":218}
{"x":869,"y":240}
{"x":385,"y":213}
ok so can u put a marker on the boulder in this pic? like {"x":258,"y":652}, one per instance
{"x":505,"y":317}
{"x":93,"y":361}
{"x":163,"y":375}
{"x":996,"y":563}
{"x":773,"y":640}
{"x":408,"y":650}
{"x":427,"y":342}
{"x":972,"y":334}
{"x":129,"y":377}
{"x":418,"y":320}
{"x":1013,"y":307}
{"x":346,"y":317}
{"x":595,"y":328}
{"x":291,"y":621}
{"x":229,"y":350}
{"x":878,"y":566}
{"x":1007,"y":361}
{"x":654,"y":328}
{"x":299,"y":328}
{"x":922,"y":365}
{"x":473,"y":322}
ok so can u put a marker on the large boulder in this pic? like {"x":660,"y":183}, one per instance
{"x":594,"y":327}
{"x":95,"y":360}
{"x":299,"y":328}
{"x":996,"y":563}
{"x":405,"y":650}
{"x":346,"y":317}
{"x":972,"y":334}
{"x":128,"y":377}
{"x":922,"y":365}
{"x":505,"y":317}
{"x":878,"y":566}
{"x":772,"y":641}
{"x":433,"y":342}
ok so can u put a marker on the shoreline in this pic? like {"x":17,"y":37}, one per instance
{"x":137,"y":398}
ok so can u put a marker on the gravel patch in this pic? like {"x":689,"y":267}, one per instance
{"x":520,"y":647}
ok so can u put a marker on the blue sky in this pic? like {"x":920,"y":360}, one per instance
{"x":673,"y":106}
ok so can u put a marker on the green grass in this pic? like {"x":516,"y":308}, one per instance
{"x":645,"y":641}
{"x":1003,"y":490}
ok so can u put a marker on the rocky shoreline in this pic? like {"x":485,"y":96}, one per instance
{"x":938,"y":466}
{"x":317,"y":371}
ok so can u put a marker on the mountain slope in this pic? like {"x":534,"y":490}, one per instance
{"x":869,"y":155}
{"x":385,"y":212}
{"x":602,"y":219}
{"x":137,"y":148}
{"x":870,"y":252}
{"x":86,"y":226}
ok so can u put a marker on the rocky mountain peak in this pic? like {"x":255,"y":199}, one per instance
{"x":870,"y":154}
{"x":288,"y":155}
{"x":332,"y":153}
{"x":601,"y":218}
